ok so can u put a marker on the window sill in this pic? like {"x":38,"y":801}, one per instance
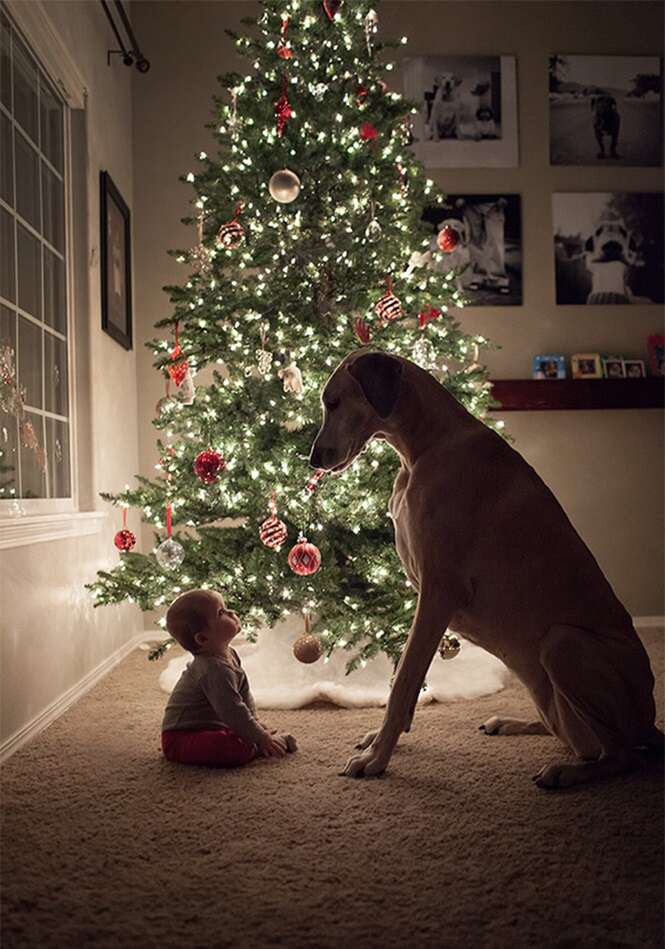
{"x":37,"y":529}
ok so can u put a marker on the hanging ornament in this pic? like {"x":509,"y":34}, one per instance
{"x":307,"y":648}
{"x":447,"y":239}
{"x":170,"y":553}
{"x":186,"y":391}
{"x":284,"y":50}
{"x":362,"y":330}
{"x":388,"y":307}
{"x":418,"y":259}
{"x":450,"y":646}
{"x":200,"y":255}
{"x":371,"y":26}
{"x":373,"y":230}
{"x":313,"y":482}
{"x":292,"y":379}
{"x":178,"y":367}
{"x":232,"y":123}
{"x":207,"y":465}
{"x":368,"y":133}
{"x":232,"y":233}
{"x":319,"y":90}
{"x":273,"y":532}
{"x":124,"y":539}
{"x":283,"y":110}
{"x":284,"y":186}
{"x":427,"y":315}
{"x":331,"y":7}
{"x":304,"y":558}
{"x":166,"y":400}
{"x":423,"y":354}
{"x":263,"y":359}
{"x":361,"y":95}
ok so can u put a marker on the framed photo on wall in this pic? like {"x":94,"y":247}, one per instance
{"x":487,"y":257}
{"x":608,"y":247}
{"x":605,"y":110}
{"x":115,"y":262}
{"x":468,"y":110}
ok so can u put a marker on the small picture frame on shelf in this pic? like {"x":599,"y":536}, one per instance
{"x":115,"y":262}
{"x":635,"y":368}
{"x":549,"y":366}
{"x":586,"y":366}
{"x":613,"y":367}
{"x":656,"y":350}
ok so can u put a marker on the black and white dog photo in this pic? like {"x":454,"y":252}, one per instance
{"x":468,"y":109}
{"x":608,"y":247}
{"x":487,"y":257}
{"x":605,"y":110}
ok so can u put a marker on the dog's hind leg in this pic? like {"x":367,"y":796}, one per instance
{"x":602,"y":703}
{"x":512,"y":726}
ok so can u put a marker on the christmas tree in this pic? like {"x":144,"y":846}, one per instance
{"x":310,"y":242}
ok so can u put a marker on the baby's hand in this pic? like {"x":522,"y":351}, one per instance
{"x":272,"y":731}
{"x":272,"y":747}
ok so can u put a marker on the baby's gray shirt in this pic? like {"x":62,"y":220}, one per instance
{"x":213,"y":692}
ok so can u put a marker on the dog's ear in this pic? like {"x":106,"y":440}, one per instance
{"x":379,"y":376}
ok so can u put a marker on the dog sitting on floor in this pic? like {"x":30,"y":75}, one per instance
{"x":492,"y":556}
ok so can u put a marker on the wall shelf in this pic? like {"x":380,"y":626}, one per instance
{"x":537,"y":395}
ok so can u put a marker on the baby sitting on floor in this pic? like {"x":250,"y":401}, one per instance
{"x":210,"y":718}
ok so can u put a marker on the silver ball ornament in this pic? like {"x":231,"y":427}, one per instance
{"x":373,"y":231}
{"x":284,"y":186}
{"x":169,"y":554}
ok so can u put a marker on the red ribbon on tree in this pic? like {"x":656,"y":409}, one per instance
{"x":283,"y":110}
{"x":169,"y":518}
{"x":331,"y":7}
{"x":178,"y":366}
{"x":428,"y":314}
{"x":283,"y":48}
{"x":362,"y":330}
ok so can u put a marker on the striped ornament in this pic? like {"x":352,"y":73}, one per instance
{"x":231,"y":234}
{"x":273,"y":532}
{"x":389,"y":307}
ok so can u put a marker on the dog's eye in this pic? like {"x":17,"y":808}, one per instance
{"x":332,"y":405}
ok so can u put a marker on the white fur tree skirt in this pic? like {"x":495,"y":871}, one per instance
{"x":279,"y":681}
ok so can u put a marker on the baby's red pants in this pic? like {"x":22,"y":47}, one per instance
{"x":218,"y":748}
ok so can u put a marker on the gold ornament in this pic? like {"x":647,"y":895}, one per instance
{"x":308,"y":647}
{"x":450,"y":646}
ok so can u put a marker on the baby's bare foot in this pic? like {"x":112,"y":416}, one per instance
{"x":291,"y":744}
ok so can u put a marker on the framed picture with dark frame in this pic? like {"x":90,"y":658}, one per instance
{"x":115,"y":263}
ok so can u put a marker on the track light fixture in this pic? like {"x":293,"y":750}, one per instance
{"x":130,"y":52}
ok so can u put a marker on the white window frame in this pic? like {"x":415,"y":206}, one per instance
{"x":53,"y":518}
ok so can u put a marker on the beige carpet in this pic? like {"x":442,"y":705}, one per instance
{"x":105,"y":844}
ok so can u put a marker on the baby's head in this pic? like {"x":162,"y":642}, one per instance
{"x":200,"y":622}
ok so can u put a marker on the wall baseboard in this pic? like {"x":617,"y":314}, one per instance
{"x":53,"y":711}
{"x":68,"y":698}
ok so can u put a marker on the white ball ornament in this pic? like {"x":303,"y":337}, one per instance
{"x":284,"y":186}
{"x":169,"y":554}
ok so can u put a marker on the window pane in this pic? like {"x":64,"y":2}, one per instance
{"x":25,"y":90}
{"x":29,"y":272}
{"x":55,"y":314}
{"x":8,"y":456}
{"x":27,"y":181}
{"x":6,"y":161}
{"x":51,"y":119}
{"x":54,"y":213}
{"x":33,"y":469}
{"x":57,"y":443}
{"x":5,"y":64}
{"x":30,"y":361}
{"x":7,"y":274}
{"x":8,"y":328}
{"x":55,"y":374}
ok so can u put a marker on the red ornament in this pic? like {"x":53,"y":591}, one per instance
{"x":178,"y":367}
{"x":447,"y":239}
{"x":311,"y":485}
{"x":361,"y":94}
{"x":362,"y":330}
{"x":231,"y":235}
{"x":125,"y":539}
{"x":208,"y":465}
{"x":425,"y":316}
{"x":331,"y":7}
{"x":388,"y":307}
{"x":285,"y":52}
{"x":283,"y":111}
{"x":367,"y":132}
{"x":304,"y":559}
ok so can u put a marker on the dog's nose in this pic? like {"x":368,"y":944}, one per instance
{"x":315,"y":457}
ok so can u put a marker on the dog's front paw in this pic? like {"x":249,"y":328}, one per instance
{"x":492,"y":726}
{"x":369,"y":764}
{"x":557,"y":775}
{"x":367,"y":740}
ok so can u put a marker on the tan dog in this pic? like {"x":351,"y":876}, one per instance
{"x":494,"y":557}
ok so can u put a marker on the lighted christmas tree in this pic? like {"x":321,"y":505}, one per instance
{"x":310,"y":242}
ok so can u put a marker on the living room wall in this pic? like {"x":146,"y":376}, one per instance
{"x":605,"y":466}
